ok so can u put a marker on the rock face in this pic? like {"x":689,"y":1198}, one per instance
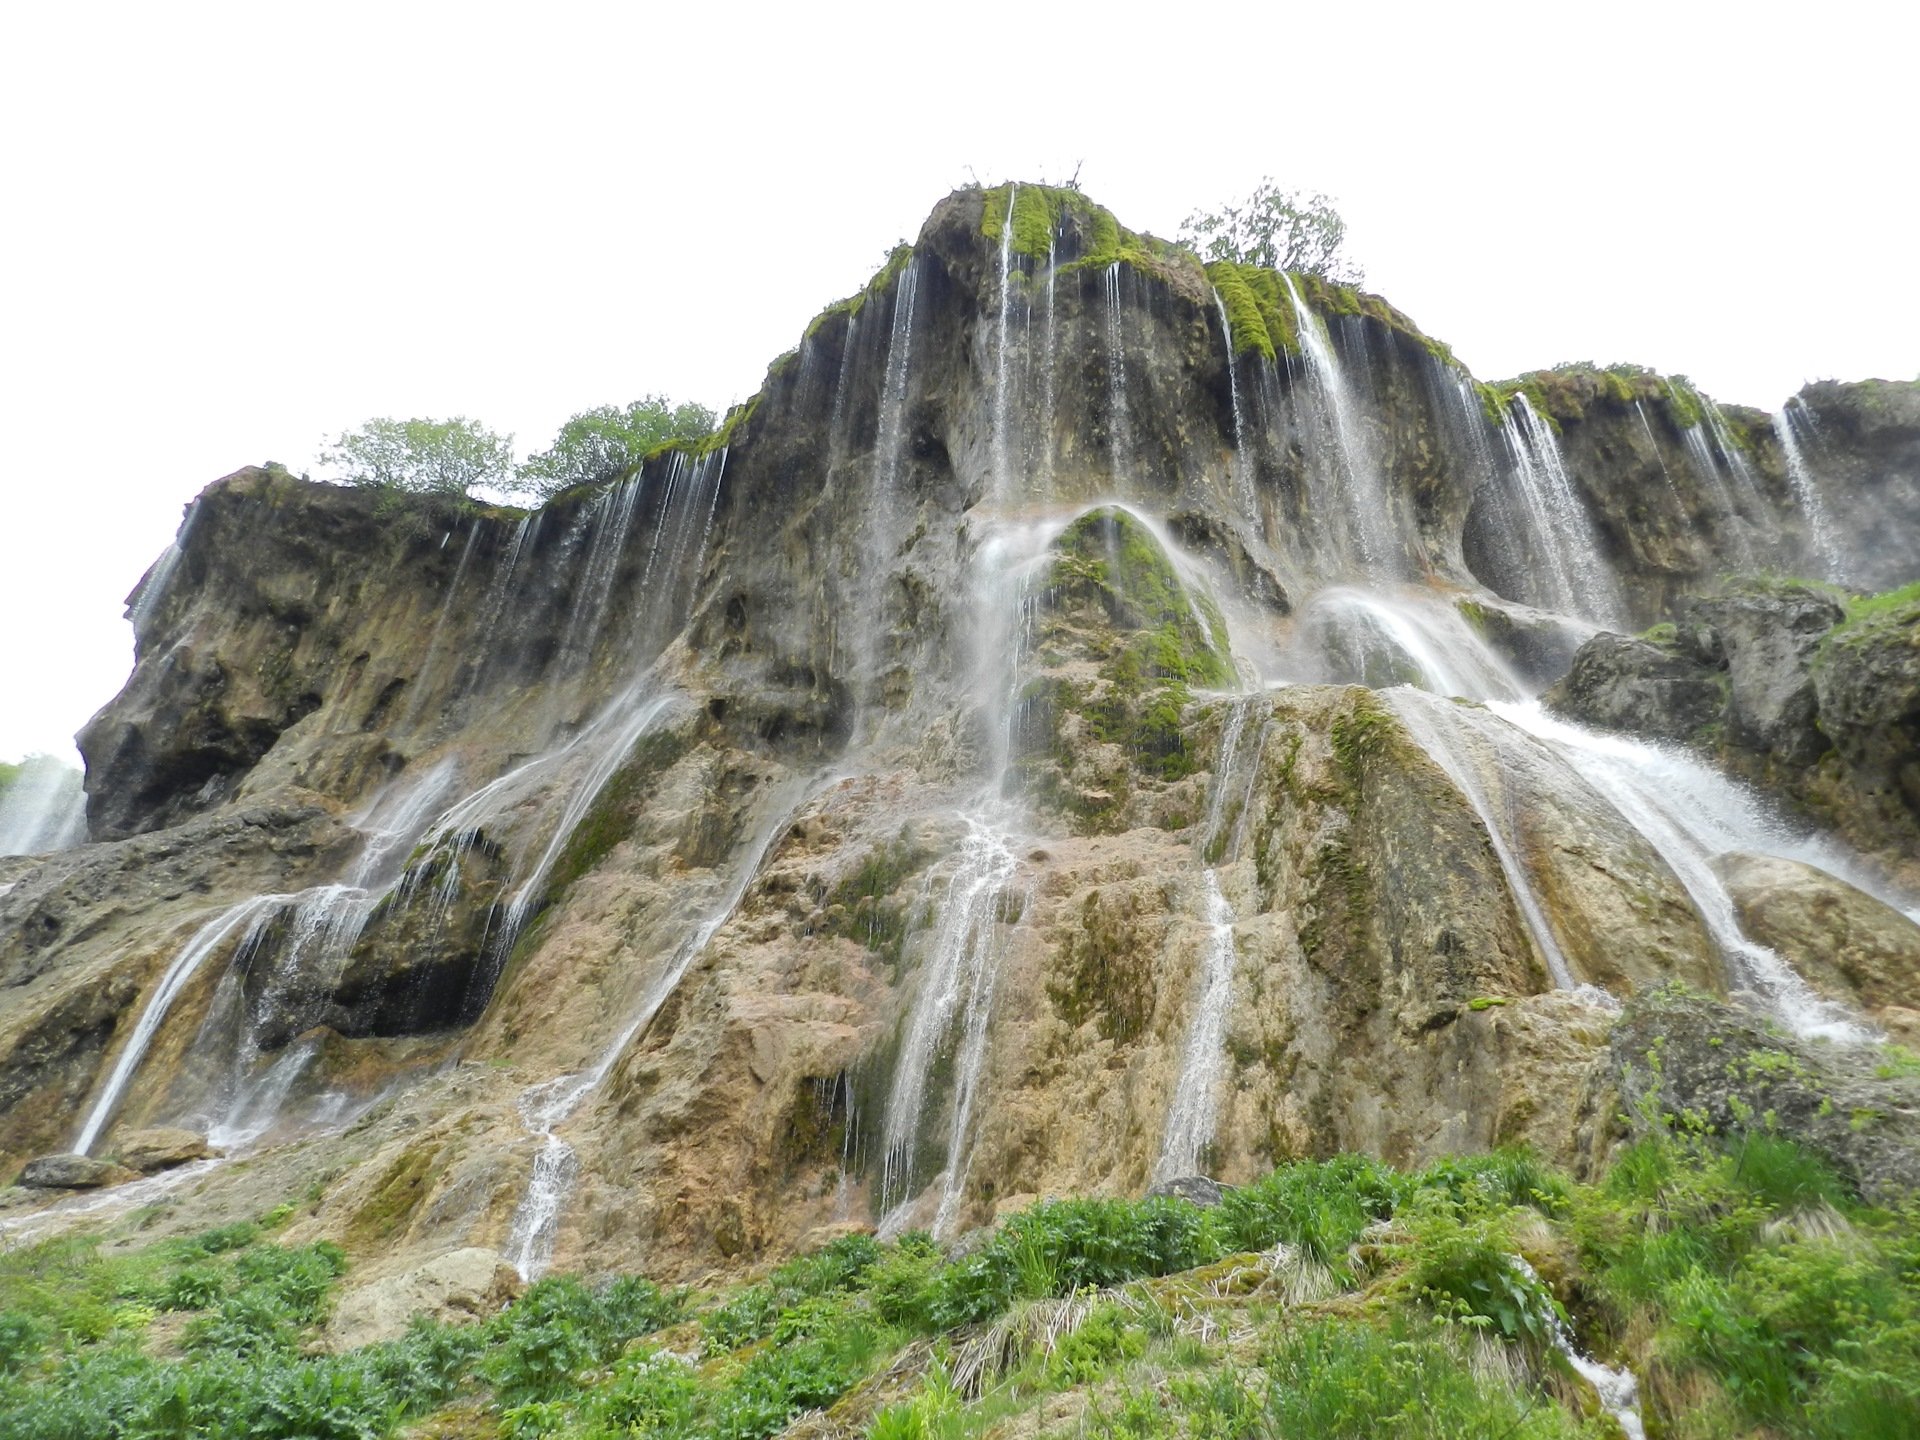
{"x":984,"y":771}
{"x":1849,"y":944}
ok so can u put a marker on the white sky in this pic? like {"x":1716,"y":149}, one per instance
{"x":229,"y":231}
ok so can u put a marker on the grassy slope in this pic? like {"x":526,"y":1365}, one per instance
{"x":1342,"y":1298}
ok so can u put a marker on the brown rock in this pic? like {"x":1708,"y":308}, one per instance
{"x":1840,"y":939}
{"x":161,"y":1148}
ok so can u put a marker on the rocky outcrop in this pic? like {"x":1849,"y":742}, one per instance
{"x":1732,"y":1073}
{"x":631,"y":842}
{"x":1779,"y":684}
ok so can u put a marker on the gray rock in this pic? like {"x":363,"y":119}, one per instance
{"x":1195,"y":1188}
{"x":72,"y":1172}
{"x":1675,"y":1052}
{"x":1618,"y":682}
{"x":1769,"y":638}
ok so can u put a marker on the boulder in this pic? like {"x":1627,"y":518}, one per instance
{"x":161,"y":1148}
{"x":1839,"y":938}
{"x":1197,"y":1189}
{"x":454,"y":1288}
{"x":1723,"y":1066}
{"x":1619,"y":682}
{"x":72,"y":1172}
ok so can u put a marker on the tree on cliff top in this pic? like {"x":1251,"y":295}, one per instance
{"x":427,"y":457}
{"x":1278,"y":229}
{"x":598,"y":444}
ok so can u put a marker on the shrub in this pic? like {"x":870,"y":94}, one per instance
{"x":1318,"y":1207}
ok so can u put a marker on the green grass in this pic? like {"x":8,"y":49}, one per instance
{"x":1751,"y":1292}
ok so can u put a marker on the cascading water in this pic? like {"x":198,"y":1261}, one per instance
{"x":1690,"y":814}
{"x":192,"y":955}
{"x":1194,"y":1113}
{"x":1370,"y":534}
{"x":959,"y":970}
{"x":1119,"y":418}
{"x":1239,"y":478}
{"x":1806,"y":492}
{"x":1431,"y":724}
{"x":44,"y":809}
{"x":1570,"y":573}
{"x":1002,"y":458}
{"x":547,"y":1106}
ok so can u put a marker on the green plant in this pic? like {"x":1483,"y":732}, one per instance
{"x":608,"y":441}
{"x":1277,"y":230}
{"x":436,"y":457}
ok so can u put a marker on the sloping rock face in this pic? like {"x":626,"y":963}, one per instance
{"x":986,"y":770}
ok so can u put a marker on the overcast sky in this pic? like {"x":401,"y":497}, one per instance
{"x":230,"y":231}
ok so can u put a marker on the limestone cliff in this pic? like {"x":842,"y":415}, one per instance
{"x":1014,"y":757}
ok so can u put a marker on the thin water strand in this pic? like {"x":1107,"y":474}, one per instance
{"x":1806,"y":492}
{"x":1434,"y":728}
{"x":1192,"y":1117}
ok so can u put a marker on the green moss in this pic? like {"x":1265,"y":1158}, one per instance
{"x":1487,"y":1002}
{"x":1108,"y":558}
{"x":616,"y":809}
{"x":1107,"y":974}
{"x":1036,"y":215}
{"x":865,"y":906}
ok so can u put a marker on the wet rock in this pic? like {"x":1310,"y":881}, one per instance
{"x":1196,"y":1189}
{"x":1841,"y":939}
{"x":1769,"y":638}
{"x":72,"y":1172}
{"x":455,"y":1288}
{"x":160,"y":1148}
{"x":1618,"y":682}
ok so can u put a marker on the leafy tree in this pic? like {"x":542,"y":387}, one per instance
{"x":600,"y":443}
{"x":434,"y":457}
{"x":1279,"y":229}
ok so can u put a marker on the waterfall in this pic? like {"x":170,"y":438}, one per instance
{"x":547,"y":1106}
{"x":1806,"y":492}
{"x":1119,"y":419}
{"x":1434,"y":729}
{"x":1238,"y":477}
{"x":1002,"y":462}
{"x":1690,"y":814}
{"x":419,"y":682}
{"x":1363,"y":495}
{"x":608,"y":518}
{"x":1374,"y":638}
{"x":959,"y":970}
{"x":44,"y":809}
{"x":1049,"y":363}
{"x":1194,"y":1112}
{"x":1574,"y":576}
{"x":891,"y":434}
{"x":205,"y":941}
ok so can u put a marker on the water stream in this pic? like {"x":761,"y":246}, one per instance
{"x":1806,"y":492}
